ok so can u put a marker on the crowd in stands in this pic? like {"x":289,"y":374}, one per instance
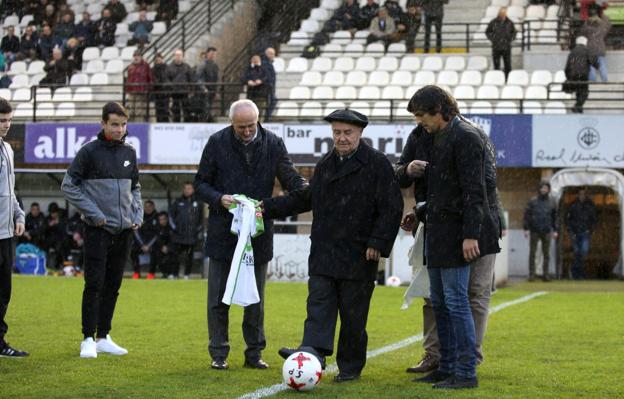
{"x":165,"y":242}
{"x":51,"y":24}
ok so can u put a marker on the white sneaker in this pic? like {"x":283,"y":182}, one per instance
{"x":87,"y":348}
{"x":106,"y":345}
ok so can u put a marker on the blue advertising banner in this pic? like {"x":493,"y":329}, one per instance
{"x":511,"y":136}
{"x":59,"y":142}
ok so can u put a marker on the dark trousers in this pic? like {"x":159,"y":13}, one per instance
{"x":437,"y":21}
{"x":205,"y":114}
{"x":582,"y":93}
{"x":179,"y":105}
{"x":185,"y":256}
{"x":7,"y":261}
{"x":161,"y":103}
{"x":106,"y":256}
{"x":545,"y":239}
{"x":218,"y":314}
{"x":580,"y":244}
{"x":506,"y":56}
{"x":328,"y":297}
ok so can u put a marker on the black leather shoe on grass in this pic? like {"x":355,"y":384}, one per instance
{"x":7,"y":351}
{"x":457,"y":383}
{"x":427,"y":364}
{"x":219,"y":364}
{"x":436,"y":376}
{"x":344,"y":377}
{"x":256,"y":364}
{"x":285,"y":353}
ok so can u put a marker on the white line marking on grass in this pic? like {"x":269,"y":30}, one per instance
{"x":273,"y":389}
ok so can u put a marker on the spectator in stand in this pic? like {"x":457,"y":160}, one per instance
{"x":54,"y":236}
{"x":49,"y":15}
{"x":74,"y":242}
{"x":46,"y":43}
{"x":208,"y":75}
{"x":105,"y":29}
{"x":141,"y":29}
{"x":73,"y":55}
{"x":57,"y":70}
{"x":65,"y":29}
{"x":161,"y":90}
{"x":367,"y":13}
{"x":501,"y":32}
{"x":63,"y":9}
{"x":596,"y":30}
{"x":186,"y":217}
{"x":144,"y":240}
{"x":409,"y":26}
{"x":540,"y":224}
{"x":28,"y":44}
{"x":434,"y":14}
{"x":164,"y":249}
{"x":85,"y":30}
{"x":138,"y":86}
{"x":35,"y":227}
{"x":577,"y":72}
{"x":267,"y":63}
{"x":345,"y":18}
{"x":39,"y":12}
{"x":581,"y":222}
{"x":167,"y":11}
{"x":382,"y":27}
{"x":8,"y":7}
{"x":587,"y":5}
{"x":180,"y":74}
{"x":255,"y":77}
{"x":10,"y":45}
{"x":117,"y":9}
{"x":394,"y":10}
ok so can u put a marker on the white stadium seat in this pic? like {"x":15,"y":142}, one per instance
{"x":99,"y":79}
{"x":477,"y":63}
{"x":322,"y":64}
{"x":344,"y":64}
{"x":379,"y":78}
{"x":35,"y":79}
{"x":449,"y":78}
{"x":559,"y":77}
{"x":299,"y":38}
{"x":464,"y":92}
{"x":110,"y":53}
{"x":515,"y":13}
{"x":494,"y":78}
{"x":390,"y":64}
{"x":334,"y":105}
{"x":506,"y":107}
{"x":500,"y":3}
{"x":43,"y":94}
{"x":356,"y":78}
{"x":18,"y":67}
{"x":331,"y":4}
{"x":360,"y":106}
{"x":512,"y":93}
{"x":541,"y":78}
{"x":5,"y":93}
{"x":346,"y":93}
{"x":36,"y":67}
{"x":401,"y":78}
{"x":366,"y":64}
{"x":90,"y":53}
{"x":400,"y":110}
{"x":381,"y":109}
{"x":360,"y":37}
{"x":114,"y":67}
{"x":518,"y":77}
{"x":531,"y":107}
{"x":555,"y":107}
{"x":45,"y":110}
{"x":536,"y":93}
{"x":299,"y":93}
{"x":297,"y":64}
{"x":127,"y":53}
{"x":519,"y":3}
{"x":535,"y":12}
{"x":79,"y":79}
{"x":332,"y":50}
{"x":353,"y":50}
{"x":491,"y":12}
{"x":341,"y":37}
{"x":424,"y":78}
{"x":333,"y":78}
{"x":22,"y":94}
{"x":159,"y":28}
{"x":471,"y":78}
{"x":94,"y":66}
{"x":319,"y":14}
{"x":83,"y":94}
{"x":311,"y":78}
{"x":23,"y":110}
{"x":279,"y":64}
{"x":370,"y":93}
{"x":392,"y":92}
{"x":481,"y":107}
{"x":488,"y":92}
{"x":62,"y":94}
{"x":19,"y":81}
{"x":287,"y":109}
{"x":323,"y":93}
{"x":455,"y":63}
{"x":311,"y":109}
{"x":376,"y":49}
{"x":397,"y":49}
{"x":552,"y":12}
{"x":432,"y":63}
{"x":410,"y":63}
{"x":310,"y":26}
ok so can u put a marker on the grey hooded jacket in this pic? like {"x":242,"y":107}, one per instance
{"x":103,"y":183}
{"x":10,"y":211}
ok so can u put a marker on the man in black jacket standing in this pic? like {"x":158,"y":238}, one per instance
{"x":357,"y":207}
{"x":180,"y":75}
{"x":186,"y":217}
{"x":434,"y":14}
{"x":577,"y":69}
{"x":144,"y":240}
{"x":103,"y":183}
{"x":458,"y":183}
{"x":243,"y":158}
{"x":161,"y":89}
{"x":501,"y":32}
{"x":208,"y":75}
{"x":541,"y":224}
{"x":581,"y":221}
{"x":257,"y":80}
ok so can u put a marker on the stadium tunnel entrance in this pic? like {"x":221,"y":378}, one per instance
{"x":605,"y":187}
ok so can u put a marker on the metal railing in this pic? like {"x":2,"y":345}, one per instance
{"x":191,"y":26}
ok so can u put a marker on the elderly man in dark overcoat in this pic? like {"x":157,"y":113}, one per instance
{"x":357,"y":205}
{"x":243,"y":158}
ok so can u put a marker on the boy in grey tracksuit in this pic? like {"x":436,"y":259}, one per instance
{"x":11,"y":224}
{"x":103,"y":183}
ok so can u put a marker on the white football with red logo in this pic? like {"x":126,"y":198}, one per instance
{"x":302,"y":371}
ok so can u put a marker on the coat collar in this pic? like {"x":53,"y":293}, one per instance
{"x":261,"y":136}
{"x":357,"y":161}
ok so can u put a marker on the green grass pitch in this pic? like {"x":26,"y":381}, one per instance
{"x":566,"y":344}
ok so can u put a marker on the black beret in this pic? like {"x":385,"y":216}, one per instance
{"x":348,"y":116}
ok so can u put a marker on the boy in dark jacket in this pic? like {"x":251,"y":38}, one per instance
{"x":540,"y":224}
{"x":163,"y":249}
{"x":186,"y":216}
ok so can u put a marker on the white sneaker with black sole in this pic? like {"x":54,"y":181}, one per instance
{"x":106,"y":345}
{"x":87,"y":349}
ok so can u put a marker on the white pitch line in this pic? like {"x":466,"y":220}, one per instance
{"x":273,"y":389}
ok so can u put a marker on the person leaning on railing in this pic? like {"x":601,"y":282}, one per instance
{"x":138,"y":86}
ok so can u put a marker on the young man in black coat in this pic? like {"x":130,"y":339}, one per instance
{"x":581,"y":222}
{"x":501,"y":32}
{"x":452,"y":164}
{"x":357,"y":207}
{"x":186,"y":217}
{"x":144,"y":240}
{"x":243,"y":158}
{"x":541,"y":223}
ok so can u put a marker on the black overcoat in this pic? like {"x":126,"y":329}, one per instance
{"x":223,"y":170}
{"x":355,"y":206}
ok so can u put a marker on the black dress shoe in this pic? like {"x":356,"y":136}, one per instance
{"x":285,"y":353}
{"x":455,"y":382}
{"x":219,"y":364}
{"x":256,"y":364}
{"x":427,"y":364}
{"x":434,"y":377}
{"x":344,"y":377}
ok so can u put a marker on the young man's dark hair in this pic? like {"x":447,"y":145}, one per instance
{"x":431,"y":100}
{"x":35,"y":204}
{"x":113,"y":108}
{"x":163,"y":213}
{"x":209,"y":49}
{"x":150,"y":202}
{"x":5,"y":106}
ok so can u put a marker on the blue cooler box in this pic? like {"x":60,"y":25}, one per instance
{"x":31,"y":264}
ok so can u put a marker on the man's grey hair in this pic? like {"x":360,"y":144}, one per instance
{"x":581,"y":40}
{"x":237,"y":105}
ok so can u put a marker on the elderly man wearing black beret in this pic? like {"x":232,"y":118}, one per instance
{"x":357,"y":204}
